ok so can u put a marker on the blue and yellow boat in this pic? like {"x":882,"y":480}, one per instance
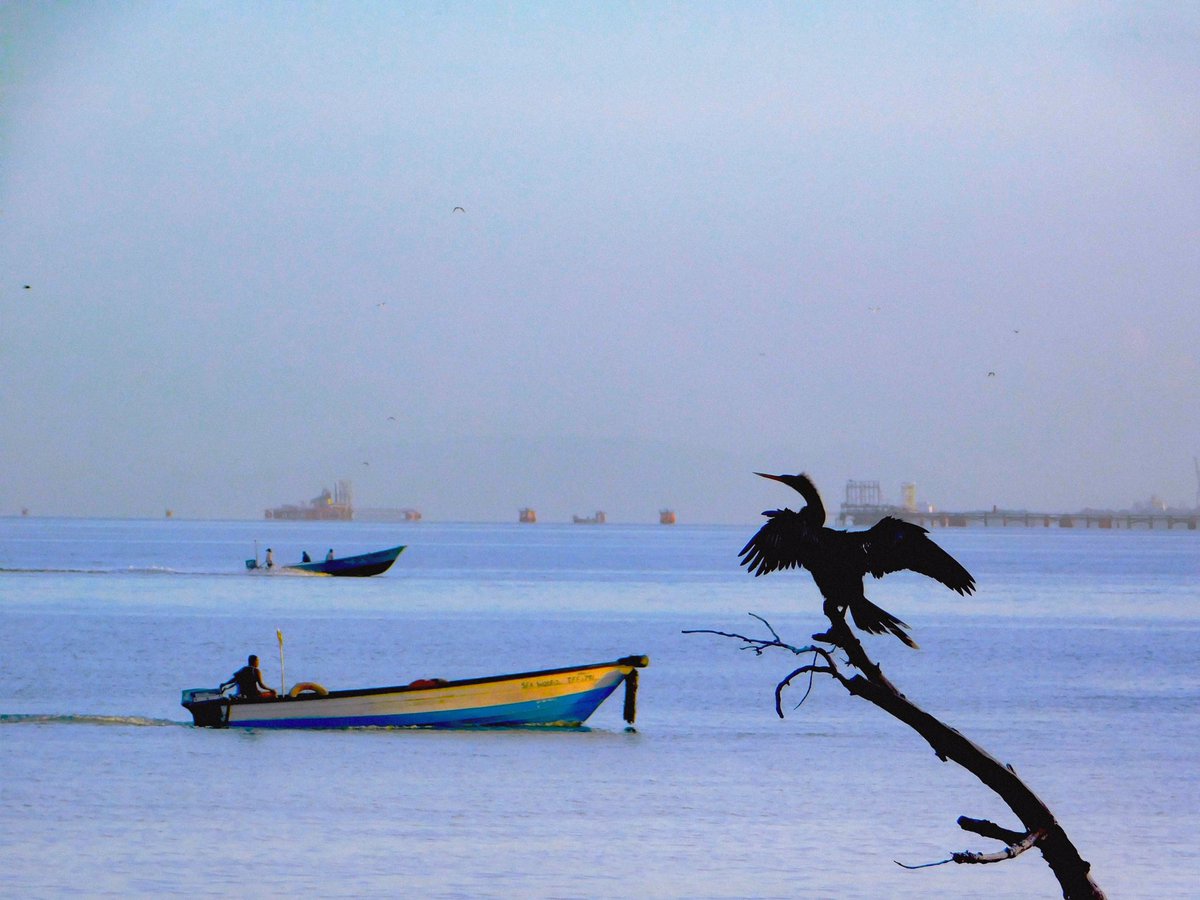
{"x":548,"y":697}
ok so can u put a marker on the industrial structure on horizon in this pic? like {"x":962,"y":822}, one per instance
{"x":336,"y":505}
{"x":863,"y":505}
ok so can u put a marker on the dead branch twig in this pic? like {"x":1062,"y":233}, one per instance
{"x":1011,"y":851}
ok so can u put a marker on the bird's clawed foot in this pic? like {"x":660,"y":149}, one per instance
{"x":837,"y":622}
{"x":827,"y":637}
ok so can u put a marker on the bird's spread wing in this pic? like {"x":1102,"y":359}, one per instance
{"x":786,"y":541}
{"x":892,"y":545}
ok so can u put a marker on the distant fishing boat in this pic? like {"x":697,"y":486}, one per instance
{"x":360,"y":566}
{"x":550,"y":697}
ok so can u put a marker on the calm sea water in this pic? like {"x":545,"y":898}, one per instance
{"x":1076,"y":662}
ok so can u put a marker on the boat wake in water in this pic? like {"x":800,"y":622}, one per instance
{"x":131,"y":570}
{"x":138,"y":721}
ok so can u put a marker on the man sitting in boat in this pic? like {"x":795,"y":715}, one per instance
{"x":249,"y":680}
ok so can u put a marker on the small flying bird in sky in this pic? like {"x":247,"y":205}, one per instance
{"x":991,"y":374}
{"x":27,"y":287}
{"x":840,"y":560}
{"x":458,"y":209}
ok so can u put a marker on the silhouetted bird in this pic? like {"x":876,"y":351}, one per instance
{"x":839,"y":560}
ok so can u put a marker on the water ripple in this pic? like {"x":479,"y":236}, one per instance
{"x":140,"y":721}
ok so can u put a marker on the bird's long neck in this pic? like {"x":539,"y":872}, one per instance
{"x":814,"y":512}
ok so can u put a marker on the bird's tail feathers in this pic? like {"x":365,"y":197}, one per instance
{"x":875,"y":620}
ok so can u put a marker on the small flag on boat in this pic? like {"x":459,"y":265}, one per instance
{"x":282,"y":678}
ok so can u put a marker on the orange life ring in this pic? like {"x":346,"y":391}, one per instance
{"x":301,"y":687}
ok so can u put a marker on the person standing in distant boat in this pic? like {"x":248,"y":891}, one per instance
{"x":270,"y":559}
{"x":304,"y":557}
{"x":249,"y":679}
{"x":329,"y":555}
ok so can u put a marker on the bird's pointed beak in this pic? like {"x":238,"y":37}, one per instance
{"x":772,"y":477}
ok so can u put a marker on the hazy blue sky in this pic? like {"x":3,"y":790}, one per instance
{"x":699,"y":239}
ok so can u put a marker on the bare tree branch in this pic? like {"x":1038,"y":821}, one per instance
{"x":990,"y":830}
{"x":758,"y":645}
{"x":1041,"y":828}
{"x":940,"y":862}
{"x":1012,"y":851}
{"x":811,"y":669}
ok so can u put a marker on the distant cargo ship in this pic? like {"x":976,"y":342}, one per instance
{"x":335,"y":505}
{"x":666,"y":517}
{"x":527,"y":516}
{"x":387,"y":514}
{"x":598,"y":519}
